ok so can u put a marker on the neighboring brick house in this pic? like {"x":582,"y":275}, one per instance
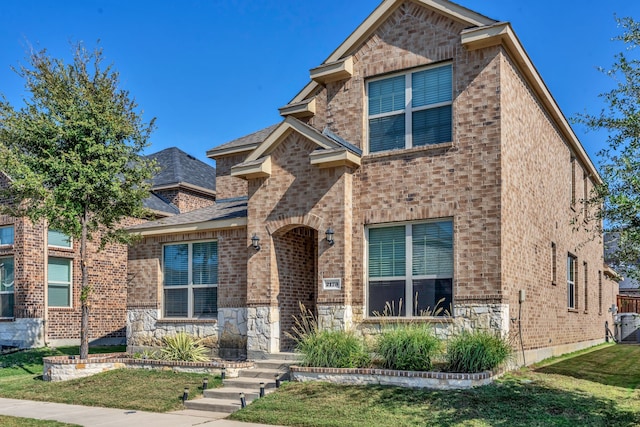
{"x":425,"y":164}
{"x":40,"y":272}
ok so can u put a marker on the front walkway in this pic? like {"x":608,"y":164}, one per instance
{"x":106,"y":417}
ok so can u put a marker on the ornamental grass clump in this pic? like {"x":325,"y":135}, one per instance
{"x":327,"y":348}
{"x":408,"y":347}
{"x":183,"y":347}
{"x":477,"y":351}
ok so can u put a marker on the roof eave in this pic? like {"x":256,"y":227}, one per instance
{"x":219,"y":224}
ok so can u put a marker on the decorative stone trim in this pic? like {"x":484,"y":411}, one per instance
{"x":410,"y":379}
{"x":62,"y":368}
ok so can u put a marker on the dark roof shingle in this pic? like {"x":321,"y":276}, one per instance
{"x":178,"y":167}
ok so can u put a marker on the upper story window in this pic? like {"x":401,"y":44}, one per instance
{"x":411,"y":109}
{"x":190,"y":279}
{"x":6,"y":235}
{"x":58,"y":239}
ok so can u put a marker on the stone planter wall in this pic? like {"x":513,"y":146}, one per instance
{"x":62,"y":368}
{"x":409,"y":379}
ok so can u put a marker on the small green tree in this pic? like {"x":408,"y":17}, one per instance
{"x":617,"y":201}
{"x":73,"y":155}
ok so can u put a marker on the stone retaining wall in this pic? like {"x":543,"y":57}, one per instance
{"x":410,"y":379}
{"x":62,"y":368}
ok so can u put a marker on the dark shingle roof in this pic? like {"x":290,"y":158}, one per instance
{"x":158,"y":204}
{"x":178,"y":167}
{"x":223,"y":209}
{"x":248,"y":141}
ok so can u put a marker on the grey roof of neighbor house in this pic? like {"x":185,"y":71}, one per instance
{"x":178,"y":167}
{"x":158,"y":204}
{"x":247,"y":140}
{"x":610,"y":246}
{"x":222,"y":209}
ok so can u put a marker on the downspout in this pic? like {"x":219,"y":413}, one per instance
{"x":45,"y":275}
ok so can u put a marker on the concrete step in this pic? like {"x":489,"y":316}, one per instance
{"x":215,"y":405}
{"x":278,"y":356}
{"x":249,"y":383}
{"x":232,"y":392}
{"x":277,"y":364}
{"x":265,"y":373}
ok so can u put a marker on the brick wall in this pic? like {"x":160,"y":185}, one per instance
{"x":187,"y":200}
{"x":227,"y":186}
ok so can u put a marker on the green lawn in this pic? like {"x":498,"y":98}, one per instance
{"x":6,"y":421}
{"x":595,"y":388}
{"x":137,"y":389}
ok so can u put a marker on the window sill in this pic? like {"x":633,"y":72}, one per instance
{"x":187,"y":320}
{"x":426,"y":319}
{"x":61,"y":308}
{"x":573,"y":310}
{"x":403,"y":151}
{"x":7,"y":319}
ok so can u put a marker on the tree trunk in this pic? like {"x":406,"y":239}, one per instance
{"x":84,"y":292}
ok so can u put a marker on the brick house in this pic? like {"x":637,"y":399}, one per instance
{"x":424,"y":165}
{"x":40,"y":271}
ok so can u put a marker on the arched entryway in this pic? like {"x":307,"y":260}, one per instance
{"x":296,"y":253}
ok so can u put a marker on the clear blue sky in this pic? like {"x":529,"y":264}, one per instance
{"x":212,"y":71}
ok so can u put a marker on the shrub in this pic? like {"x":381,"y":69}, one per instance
{"x":408,"y":347}
{"x":327,"y":349}
{"x":477,"y":351}
{"x":184,"y":347}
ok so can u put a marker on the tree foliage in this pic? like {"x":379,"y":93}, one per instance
{"x":72,"y":153}
{"x":618,"y":199}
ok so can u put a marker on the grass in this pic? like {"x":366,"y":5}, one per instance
{"x":136,"y":389}
{"x":596,"y":388}
{"x":6,"y":421}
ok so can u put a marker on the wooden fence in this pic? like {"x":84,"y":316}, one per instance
{"x":628,"y":304}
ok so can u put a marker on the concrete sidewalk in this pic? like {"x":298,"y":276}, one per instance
{"x":103,"y":417}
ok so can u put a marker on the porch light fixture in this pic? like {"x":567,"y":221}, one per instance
{"x":329,"y":233}
{"x":255,"y":242}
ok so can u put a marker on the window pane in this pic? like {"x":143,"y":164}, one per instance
{"x":432,"y":297}
{"x":176,"y":302}
{"x":205,"y":263}
{"x":6,"y":274}
{"x":386,"y":298}
{"x":431,"y":126}
{"x":205,"y":302}
{"x":59,"y":270}
{"x":176,"y":265}
{"x":59,"y":295}
{"x":433,"y":249}
{"x":386,"y":133}
{"x":431,"y":86}
{"x":58,"y":238}
{"x":386,"y":95}
{"x":6,"y":235}
{"x":387,"y":252}
{"x":6,"y":305}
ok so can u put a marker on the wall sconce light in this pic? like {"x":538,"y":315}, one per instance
{"x":329,"y":233}
{"x":255,"y":242}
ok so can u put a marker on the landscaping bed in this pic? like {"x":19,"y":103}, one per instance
{"x":63,"y":368}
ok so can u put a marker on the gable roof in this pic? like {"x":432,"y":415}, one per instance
{"x":179,"y":169}
{"x":242,"y":144}
{"x":159,"y":205}
{"x":229,"y":213}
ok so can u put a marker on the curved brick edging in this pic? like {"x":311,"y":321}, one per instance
{"x":62,"y":368}
{"x":410,"y":379}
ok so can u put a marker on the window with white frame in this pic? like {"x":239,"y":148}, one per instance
{"x":411,"y":109}
{"x":190,"y":279}
{"x":6,"y":287}
{"x":410,"y":269}
{"x":6,"y":235}
{"x":58,"y":239}
{"x":571,"y":281}
{"x":59,"y":281}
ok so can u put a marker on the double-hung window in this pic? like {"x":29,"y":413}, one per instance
{"x":59,"y":282}
{"x":571,"y":281}
{"x":411,"y":109}
{"x":6,"y":287}
{"x":190,"y":279}
{"x":410,"y":269}
{"x":58,"y":239}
